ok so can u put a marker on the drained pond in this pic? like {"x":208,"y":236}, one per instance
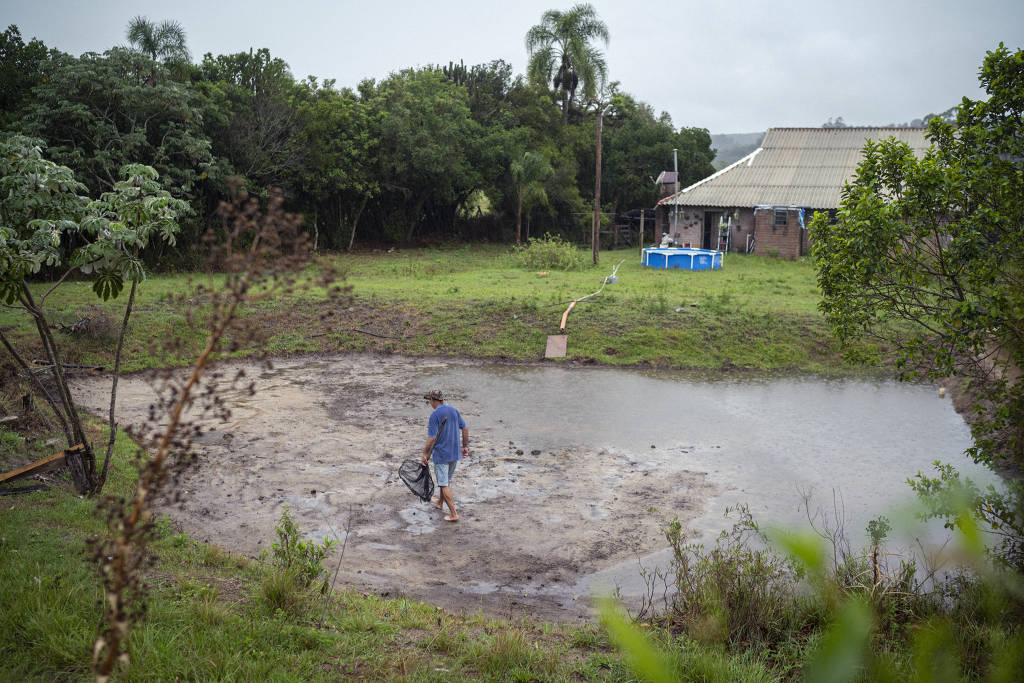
{"x":572,"y":471}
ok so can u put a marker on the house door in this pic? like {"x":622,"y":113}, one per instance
{"x":709,"y":239}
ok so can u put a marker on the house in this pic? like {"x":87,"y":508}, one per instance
{"x":763,"y":202}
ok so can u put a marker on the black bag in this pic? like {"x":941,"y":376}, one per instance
{"x":417,"y":477}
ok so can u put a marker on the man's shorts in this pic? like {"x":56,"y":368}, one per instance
{"x":443,"y":472}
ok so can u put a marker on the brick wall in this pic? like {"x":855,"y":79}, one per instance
{"x":691,"y":225}
{"x":787,"y":241}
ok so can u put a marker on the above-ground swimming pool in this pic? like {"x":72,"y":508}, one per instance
{"x":684,"y":258}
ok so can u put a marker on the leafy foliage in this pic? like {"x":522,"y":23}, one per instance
{"x":253,"y":122}
{"x":164,"y":41}
{"x":425,"y":154}
{"x":736,"y":592}
{"x":21,"y":68}
{"x":292,"y":554}
{"x":529,"y":172}
{"x":341,"y":137}
{"x":45,"y":222}
{"x":42,"y":205}
{"x":561,"y":54}
{"x":947,"y":496}
{"x":433,"y":154}
{"x":638,"y":146}
{"x":102,"y":112}
{"x":926,"y":255}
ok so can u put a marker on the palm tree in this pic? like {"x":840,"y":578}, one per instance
{"x":560,"y":52}
{"x":529,"y":173}
{"x":164,"y":41}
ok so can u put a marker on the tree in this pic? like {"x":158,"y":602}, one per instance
{"x":639,"y":145}
{"x":160,"y":42}
{"x":488,"y":86}
{"x":41,"y":214}
{"x":925,"y":255}
{"x":433,"y":156}
{"x":255,"y":121}
{"x":561,"y":54}
{"x":568,"y":148}
{"x":21,"y":69}
{"x":338,"y":177}
{"x":529,"y":173}
{"x":102,"y":112}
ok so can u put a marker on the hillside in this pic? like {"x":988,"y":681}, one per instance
{"x":732,"y":147}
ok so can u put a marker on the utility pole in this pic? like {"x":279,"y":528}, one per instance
{"x":595,"y":236}
{"x":675,"y":198}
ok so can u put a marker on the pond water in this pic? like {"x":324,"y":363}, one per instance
{"x":763,"y":442}
{"x":573,"y":470}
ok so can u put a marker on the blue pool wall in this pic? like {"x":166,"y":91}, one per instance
{"x":684,"y":259}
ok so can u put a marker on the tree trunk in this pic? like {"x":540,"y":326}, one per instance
{"x":316,"y":234}
{"x":112,"y":424}
{"x":81,"y":463}
{"x":596,"y":230}
{"x":519,"y":216}
{"x":355,"y":221}
{"x":39,"y":386}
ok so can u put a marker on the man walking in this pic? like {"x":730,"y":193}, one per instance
{"x":443,"y":440}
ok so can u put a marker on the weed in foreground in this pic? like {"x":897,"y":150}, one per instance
{"x":737,"y":593}
{"x":817,"y":610}
{"x":262,"y":250}
{"x":303,"y":560}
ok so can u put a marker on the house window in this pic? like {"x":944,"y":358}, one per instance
{"x":781,"y":217}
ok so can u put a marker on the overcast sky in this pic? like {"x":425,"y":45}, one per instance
{"x":730,"y":66}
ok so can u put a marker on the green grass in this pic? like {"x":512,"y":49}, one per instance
{"x":756,"y":313}
{"x":214,"y":615}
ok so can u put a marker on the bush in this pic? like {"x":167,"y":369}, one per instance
{"x":550,"y":252}
{"x":298,"y":559}
{"x":735,"y":593}
{"x":824,"y":612}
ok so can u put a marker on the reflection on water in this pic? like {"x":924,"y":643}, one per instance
{"x":762,"y":441}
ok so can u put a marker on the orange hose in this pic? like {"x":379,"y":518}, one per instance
{"x":565,"y":316}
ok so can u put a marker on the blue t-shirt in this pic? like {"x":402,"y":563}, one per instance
{"x":447,"y":448}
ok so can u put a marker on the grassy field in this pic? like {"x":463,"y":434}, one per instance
{"x":757,"y":313}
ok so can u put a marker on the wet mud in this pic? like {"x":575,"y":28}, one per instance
{"x":326,"y":436}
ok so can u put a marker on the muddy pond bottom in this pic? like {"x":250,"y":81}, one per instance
{"x":571,"y":474}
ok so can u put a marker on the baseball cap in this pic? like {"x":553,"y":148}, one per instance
{"x":434,"y":395}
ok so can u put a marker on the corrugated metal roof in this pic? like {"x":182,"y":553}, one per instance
{"x":793,"y":167}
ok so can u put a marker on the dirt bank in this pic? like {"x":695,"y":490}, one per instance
{"x":326,"y":435}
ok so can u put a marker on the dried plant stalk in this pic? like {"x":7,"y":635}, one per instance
{"x":274,"y":252}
